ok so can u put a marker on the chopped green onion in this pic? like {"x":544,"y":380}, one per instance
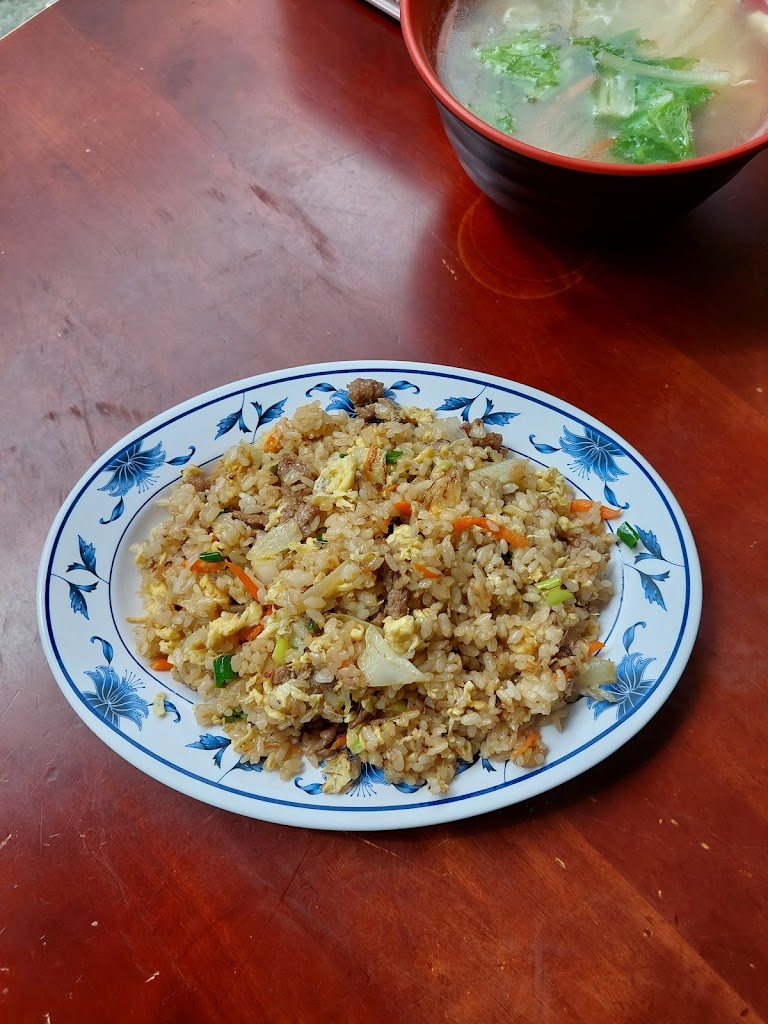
{"x":559,"y":596}
{"x":343,"y":455}
{"x":227,"y":508}
{"x":211,"y":556}
{"x":312,"y":626}
{"x":393,"y":456}
{"x":239,"y":716}
{"x":628,"y":534}
{"x":223,"y":672}
{"x":273,"y":469}
{"x":280,"y":653}
{"x":320,"y":538}
{"x":549,"y":584}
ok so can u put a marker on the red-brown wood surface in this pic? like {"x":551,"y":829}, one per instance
{"x":192,"y":192}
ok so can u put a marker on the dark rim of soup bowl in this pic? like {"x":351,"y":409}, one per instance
{"x":417,"y":49}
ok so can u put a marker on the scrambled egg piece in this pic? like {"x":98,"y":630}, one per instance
{"x":168,"y":633}
{"x":155,"y":601}
{"x":404,"y":542}
{"x":336,"y":480}
{"x":418,"y":415}
{"x":401,"y":634}
{"x":191,"y":650}
{"x":228,"y":625}
{"x":158,"y":704}
{"x":210,"y":589}
{"x":338,"y":774}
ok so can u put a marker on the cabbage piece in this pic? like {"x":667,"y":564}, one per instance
{"x":596,"y":674}
{"x":342,"y":579}
{"x":509,"y":471}
{"x":449,"y":428}
{"x":274,"y":542}
{"x":383,"y":666}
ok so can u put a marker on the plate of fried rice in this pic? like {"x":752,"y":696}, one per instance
{"x":368,"y":595}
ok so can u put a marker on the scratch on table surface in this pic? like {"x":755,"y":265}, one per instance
{"x":377,"y":847}
{"x":152,"y":977}
{"x":7,"y":840}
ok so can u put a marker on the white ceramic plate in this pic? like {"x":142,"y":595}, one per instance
{"x":87,"y":586}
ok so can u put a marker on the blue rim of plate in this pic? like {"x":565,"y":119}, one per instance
{"x":336,"y":815}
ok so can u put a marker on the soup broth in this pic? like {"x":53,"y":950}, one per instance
{"x":639,"y":81}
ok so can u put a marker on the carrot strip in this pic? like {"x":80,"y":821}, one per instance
{"x":585,"y":505}
{"x":160,"y":665}
{"x":244,"y":578}
{"x":527,"y":743}
{"x":598,"y":149}
{"x":198,"y":565}
{"x":515,"y":540}
{"x":339,"y":742}
{"x":250,"y":634}
{"x":403,"y":508}
{"x":431,"y":574}
{"x":594,"y":647}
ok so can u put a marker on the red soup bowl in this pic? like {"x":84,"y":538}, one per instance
{"x":561,"y":190}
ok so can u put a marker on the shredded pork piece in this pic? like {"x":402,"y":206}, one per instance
{"x":364,"y":391}
{"x":384,"y":410}
{"x":252,"y":519}
{"x":292,"y":471}
{"x":397,"y":604}
{"x":477,"y":432}
{"x":306,"y":517}
{"x":282,"y":674}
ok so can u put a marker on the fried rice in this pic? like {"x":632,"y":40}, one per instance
{"x":389,"y":587}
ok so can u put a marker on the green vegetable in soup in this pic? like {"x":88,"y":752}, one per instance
{"x":651,"y":96}
{"x":659,"y":130}
{"x":629,"y":46}
{"x":495,"y":115}
{"x":645,"y":99}
{"x":614,"y":96}
{"x":529,"y":57}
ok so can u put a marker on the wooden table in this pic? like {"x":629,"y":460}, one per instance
{"x":191,"y":192}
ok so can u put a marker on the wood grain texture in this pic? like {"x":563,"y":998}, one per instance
{"x":191,"y":192}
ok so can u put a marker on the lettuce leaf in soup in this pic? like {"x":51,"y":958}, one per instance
{"x":529,"y":57}
{"x":659,"y":130}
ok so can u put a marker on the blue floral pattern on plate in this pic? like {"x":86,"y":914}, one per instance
{"x":96,"y":565}
{"x":631,"y":687}
{"x":489,"y":418}
{"x":133,"y":467}
{"x":114,"y":697}
{"x":78,"y":590}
